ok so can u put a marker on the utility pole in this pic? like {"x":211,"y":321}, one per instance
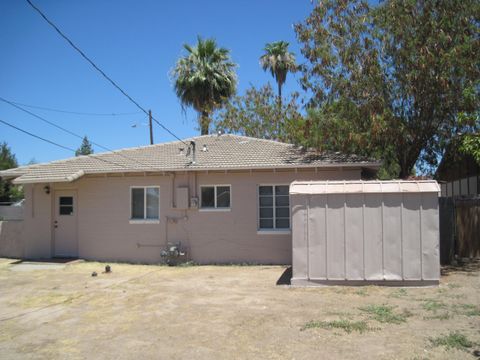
{"x":150,"y":125}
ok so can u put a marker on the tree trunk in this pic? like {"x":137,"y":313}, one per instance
{"x":204,"y":122}
{"x":279,"y":96}
{"x":405,"y":172}
{"x":407,"y":160}
{"x":279,"y":112}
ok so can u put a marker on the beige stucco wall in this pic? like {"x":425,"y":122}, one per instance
{"x":105,"y":232}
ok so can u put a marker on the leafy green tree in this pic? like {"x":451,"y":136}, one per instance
{"x":392,"y":77}
{"x":204,"y":79}
{"x":85,"y":149}
{"x":471,"y":145}
{"x":256,"y":114}
{"x":8,"y":192}
{"x":469,"y":137}
{"x":279,"y":61}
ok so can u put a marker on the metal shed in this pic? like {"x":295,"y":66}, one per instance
{"x":365,"y":232}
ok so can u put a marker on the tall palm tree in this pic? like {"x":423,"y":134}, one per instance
{"x":204,"y":79}
{"x":279,"y":61}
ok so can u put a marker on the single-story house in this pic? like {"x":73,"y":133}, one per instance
{"x":224,"y":198}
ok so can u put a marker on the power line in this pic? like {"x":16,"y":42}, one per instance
{"x":100,"y":70}
{"x":36,"y":136}
{"x":75,"y":112}
{"x":59,"y":145}
{"x":70,"y":132}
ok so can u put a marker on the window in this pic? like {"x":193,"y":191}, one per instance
{"x":274,"y":207}
{"x":215,"y":197}
{"x":65,"y":205}
{"x":145,"y":203}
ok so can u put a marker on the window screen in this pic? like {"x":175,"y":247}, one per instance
{"x":274,"y":207}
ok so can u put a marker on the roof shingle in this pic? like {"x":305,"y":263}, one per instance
{"x":213,"y":152}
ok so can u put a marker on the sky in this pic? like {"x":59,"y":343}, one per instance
{"x":136,"y":43}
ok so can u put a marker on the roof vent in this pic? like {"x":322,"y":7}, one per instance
{"x":204,"y":149}
{"x":180,"y":151}
{"x":219,"y":132}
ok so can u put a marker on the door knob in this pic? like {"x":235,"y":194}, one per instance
{"x":56,"y":226}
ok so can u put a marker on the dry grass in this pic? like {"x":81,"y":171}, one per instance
{"x":344,"y":324}
{"x":217,"y":312}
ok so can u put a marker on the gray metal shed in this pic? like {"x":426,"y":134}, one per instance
{"x":365,"y":232}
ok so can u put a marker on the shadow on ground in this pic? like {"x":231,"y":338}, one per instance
{"x":462,"y":266}
{"x":286,"y":277}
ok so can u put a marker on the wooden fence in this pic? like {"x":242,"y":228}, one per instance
{"x":459,"y":228}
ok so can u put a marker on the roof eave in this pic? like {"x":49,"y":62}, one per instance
{"x":17,"y":178}
{"x":69,"y":178}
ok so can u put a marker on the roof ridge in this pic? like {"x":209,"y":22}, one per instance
{"x":260,"y":139}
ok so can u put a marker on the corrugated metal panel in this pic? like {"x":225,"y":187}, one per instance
{"x":358,"y":187}
{"x":385,"y":232}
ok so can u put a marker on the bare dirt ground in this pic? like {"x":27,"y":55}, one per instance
{"x":229,"y":312}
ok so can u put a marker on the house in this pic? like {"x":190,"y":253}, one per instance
{"x":221,"y":198}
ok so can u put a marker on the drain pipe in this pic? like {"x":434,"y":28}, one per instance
{"x":193,"y":145}
{"x":173,"y":190}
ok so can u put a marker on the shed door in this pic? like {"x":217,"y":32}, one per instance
{"x":65,"y":224}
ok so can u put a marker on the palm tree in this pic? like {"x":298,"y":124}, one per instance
{"x":204,"y":79}
{"x":279,"y":61}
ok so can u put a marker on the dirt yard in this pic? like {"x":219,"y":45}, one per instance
{"x":228,"y":312}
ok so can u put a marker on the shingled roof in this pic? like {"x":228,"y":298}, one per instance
{"x":213,"y":152}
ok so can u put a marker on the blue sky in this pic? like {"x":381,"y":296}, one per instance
{"x":137,"y":44}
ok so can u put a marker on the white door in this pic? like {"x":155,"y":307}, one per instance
{"x":65,"y":224}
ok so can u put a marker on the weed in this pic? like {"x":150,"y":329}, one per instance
{"x":385,"y":314}
{"x":362,"y":292}
{"x":346,"y":325}
{"x":187,"y":264}
{"x":468,"y":309}
{"x":399,"y":293}
{"x":454,"y":286}
{"x":433,"y":305}
{"x":453,"y":340}
{"x":443,"y":316}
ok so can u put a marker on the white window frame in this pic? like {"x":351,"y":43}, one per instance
{"x":144,"y":220}
{"x":274,"y":230}
{"x":215,"y":209}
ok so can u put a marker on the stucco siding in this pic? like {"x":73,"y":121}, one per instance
{"x":106,"y":233}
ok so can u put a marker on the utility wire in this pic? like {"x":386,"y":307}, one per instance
{"x":62,"y":146}
{"x":36,"y":136}
{"x":74,"y":112}
{"x":100,"y":70}
{"x":70,"y":132}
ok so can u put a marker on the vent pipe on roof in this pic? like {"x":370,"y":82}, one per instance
{"x":192,"y":144}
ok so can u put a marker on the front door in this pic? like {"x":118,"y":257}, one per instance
{"x":65,"y":224}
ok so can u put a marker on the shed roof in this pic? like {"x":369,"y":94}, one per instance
{"x":360,"y":187}
{"x":213,"y":152}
